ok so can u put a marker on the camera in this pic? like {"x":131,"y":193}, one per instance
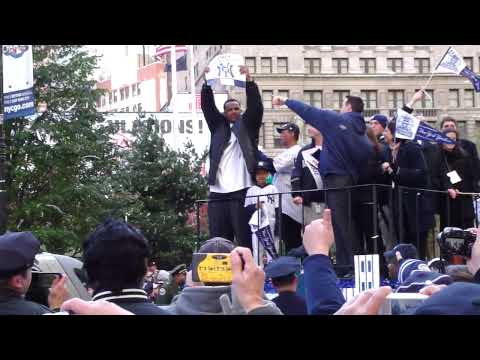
{"x":212,"y":268}
{"x":456,"y":241}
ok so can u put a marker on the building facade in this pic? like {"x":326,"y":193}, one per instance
{"x":384,"y":76}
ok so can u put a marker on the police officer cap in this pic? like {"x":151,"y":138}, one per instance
{"x":282,"y":266}
{"x":17,"y":252}
{"x":179,"y":269}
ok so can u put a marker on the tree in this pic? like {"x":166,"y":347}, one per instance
{"x":156,"y":190}
{"x":56,"y":163}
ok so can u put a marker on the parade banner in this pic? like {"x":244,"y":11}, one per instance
{"x":225,"y":68}
{"x":410,"y":128}
{"x":452,"y":62}
{"x":312,"y":165}
{"x":18,"y":99}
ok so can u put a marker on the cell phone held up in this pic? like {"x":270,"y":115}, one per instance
{"x":212,"y":268}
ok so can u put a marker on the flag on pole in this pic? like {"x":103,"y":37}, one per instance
{"x":166,"y":49}
{"x":452,"y":62}
{"x":181,"y":64}
{"x":18,"y":98}
{"x":410,"y":128}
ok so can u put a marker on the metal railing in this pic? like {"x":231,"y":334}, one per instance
{"x":395,"y":201}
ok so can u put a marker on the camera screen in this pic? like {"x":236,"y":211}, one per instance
{"x":455,"y":243}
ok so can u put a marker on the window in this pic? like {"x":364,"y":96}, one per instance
{"x":195,"y":70}
{"x":134,"y":109}
{"x":453,"y":98}
{"x":396,"y":99}
{"x":127,"y":109}
{"x":251,"y":63}
{"x":277,"y":143}
{"x":138,"y":89}
{"x":468,"y":98}
{"x":312,"y":65}
{"x":134,"y":90}
{"x":313,"y":97}
{"x":395,"y":64}
{"x":122,"y":94}
{"x":340,"y":65}
{"x":469,"y":62}
{"x":339,"y":97}
{"x":267,"y":98}
{"x":428,"y":100}
{"x":282,"y":65}
{"x":369,"y":98}
{"x":368,"y":65}
{"x":422,"y":65}
{"x":127,"y":92}
{"x":139,"y":107}
{"x":114,"y":96}
{"x":284,"y":93}
{"x":266,"y":65}
{"x":110,"y":97}
{"x":104,"y":100}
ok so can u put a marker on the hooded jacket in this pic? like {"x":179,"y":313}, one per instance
{"x":346,"y":148}
{"x":205,"y":300}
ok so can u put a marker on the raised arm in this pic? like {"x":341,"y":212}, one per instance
{"x":209,"y":109}
{"x":254,"y":111}
{"x":322,"y":120}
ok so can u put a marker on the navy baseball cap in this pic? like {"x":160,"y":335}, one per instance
{"x":17,"y":252}
{"x":263,"y":165}
{"x":382,"y":119}
{"x":282,"y":266}
{"x":460,"y":298}
{"x":407,"y":251}
{"x":289,"y":126}
{"x":409,"y":266}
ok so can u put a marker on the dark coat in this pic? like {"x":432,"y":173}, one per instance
{"x":410,"y":170}
{"x":16,"y":305}
{"x":461,"y":208}
{"x":290,"y":303}
{"x":247,"y":128}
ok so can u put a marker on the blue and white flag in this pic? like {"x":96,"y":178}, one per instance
{"x":18,"y":99}
{"x":410,"y":128}
{"x":262,"y":232}
{"x":181,"y":64}
{"x":452,"y":62}
{"x":225,"y":68}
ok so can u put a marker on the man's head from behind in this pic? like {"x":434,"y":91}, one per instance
{"x":217,"y":245}
{"x":232,"y":110}
{"x":17,"y":256}
{"x":283,"y":271}
{"x":115,"y":256}
{"x":397,"y":255}
{"x":352,"y":104}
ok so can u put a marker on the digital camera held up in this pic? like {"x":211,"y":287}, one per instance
{"x":456,"y":241}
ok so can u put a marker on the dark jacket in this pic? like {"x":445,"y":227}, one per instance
{"x":133,"y":300}
{"x":247,"y":128}
{"x":373,"y":173}
{"x":13,"y":304}
{"x":302,"y":178}
{"x":321,"y":292}
{"x":471,"y":149}
{"x":290,"y":303}
{"x":346,"y":148}
{"x":410,"y":170}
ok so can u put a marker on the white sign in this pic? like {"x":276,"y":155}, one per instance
{"x":406,"y":125}
{"x":225,"y":68}
{"x":18,"y":100}
{"x":451,"y":62}
{"x":176,"y":131}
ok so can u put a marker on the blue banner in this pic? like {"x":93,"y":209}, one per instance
{"x":474,"y":78}
{"x":427,"y":133}
{"x":265,"y":237}
{"x":18,"y":104}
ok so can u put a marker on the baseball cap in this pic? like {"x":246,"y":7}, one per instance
{"x":217,"y":245}
{"x":382,"y":119}
{"x":407,"y":251}
{"x":419,"y":279}
{"x":282,"y":266}
{"x":289,"y":126}
{"x":17,"y":252}
{"x":263,"y":165}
